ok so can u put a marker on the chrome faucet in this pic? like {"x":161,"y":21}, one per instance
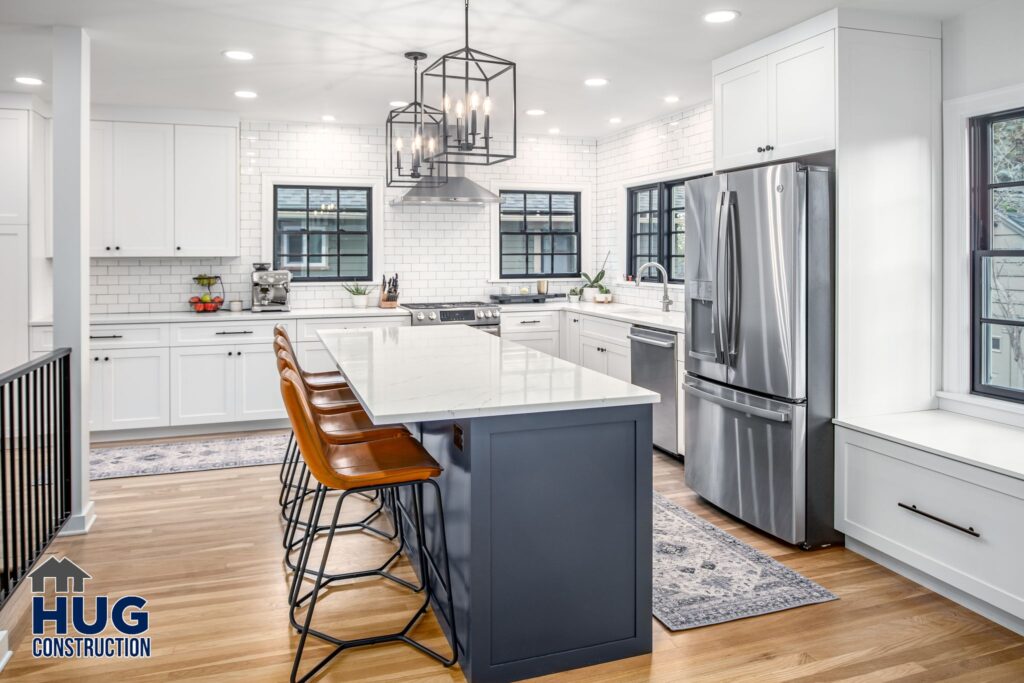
{"x":666,"y":303}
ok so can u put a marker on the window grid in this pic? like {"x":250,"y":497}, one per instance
{"x":324,"y":233}
{"x":656,"y":229}
{"x":539,"y":234}
{"x":997,"y":264}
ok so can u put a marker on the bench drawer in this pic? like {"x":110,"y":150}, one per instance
{"x":127,"y":336}
{"x":532,"y":321}
{"x":610,"y":331}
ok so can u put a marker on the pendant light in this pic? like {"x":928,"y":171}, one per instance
{"x":413,"y":135}
{"x":477,"y":95}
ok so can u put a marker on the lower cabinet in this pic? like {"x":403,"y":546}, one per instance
{"x":546,"y":342}
{"x":610,"y":359}
{"x":313,"y":357}
{"x":224,"y":384}
{"x":129,"y":389}
{"x":569,"y":337}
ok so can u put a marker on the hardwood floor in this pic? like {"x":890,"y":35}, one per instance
{"x":204,"y":549}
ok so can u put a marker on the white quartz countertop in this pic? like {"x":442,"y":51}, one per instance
{"x":417,"y":374}
{"x":227,"y":316}
{"x":972,"y":440}
{"x":673,"y":321}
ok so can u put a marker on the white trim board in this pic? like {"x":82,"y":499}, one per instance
{"x":376,"y":186}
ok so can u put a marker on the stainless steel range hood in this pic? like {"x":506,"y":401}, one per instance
{"x":458,"y":190}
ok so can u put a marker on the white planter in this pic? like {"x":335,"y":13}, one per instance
{"x":573,"y":298}
{"x":589,"y":293}
{"x":360,"y":300}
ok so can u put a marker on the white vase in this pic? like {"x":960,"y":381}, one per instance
{"x":574,"y":298}
{"x":360,"y":300}
{"x":588,"y":293}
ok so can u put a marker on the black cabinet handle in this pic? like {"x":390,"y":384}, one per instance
{"x":768,"y":148}
{"x":106,"y":358}
{"x":528,"y":322}
{"x":106,"y":336}
{"x":229,"y":353}
{"x":237,"y":332}
{"x":117,"y":248}
{"x":178,"y":248}
{"x":108,"y":248}
{"x":238,"y":353}
{"x":760,"y":150}
{"x":967,"y":530}
{"x":96,"y":358}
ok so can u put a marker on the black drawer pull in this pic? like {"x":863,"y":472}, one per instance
{"x":967,"y":530}
{"x":106,"y":336}
{"x":237,"y":332}
{"x":528,"y":322}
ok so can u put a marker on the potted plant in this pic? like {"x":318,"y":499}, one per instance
{"x":360,"y":294}
{"x":574,"y":294}
{"x":604,"y":295}
{"x":593,"y":283}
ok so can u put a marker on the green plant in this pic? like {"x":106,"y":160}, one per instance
{"x":356,"y":289}
{"x":576,"y":291}
{"x":604,"y":290}
{"x":596,"y":280}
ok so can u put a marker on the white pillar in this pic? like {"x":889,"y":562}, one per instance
{"x":71,"y":99}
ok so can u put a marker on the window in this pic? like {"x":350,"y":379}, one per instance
{"x":539,"y":233}
{"x":997,"y":216}
{"x":323,"y":234}
{"x":657,"y":229}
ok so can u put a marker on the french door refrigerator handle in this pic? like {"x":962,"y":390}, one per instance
{"x":732,"y":264}
{"x":717,"y":324}
{"x":773,"y":415}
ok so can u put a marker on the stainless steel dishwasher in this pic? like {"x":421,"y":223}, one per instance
{"x":653,"y":366}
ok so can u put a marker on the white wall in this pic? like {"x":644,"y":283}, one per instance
{"x":983,"y":49}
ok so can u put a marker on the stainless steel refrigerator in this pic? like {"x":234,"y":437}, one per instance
{"x":760,"y":348}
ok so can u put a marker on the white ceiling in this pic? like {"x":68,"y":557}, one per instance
{"x":344,"y":57}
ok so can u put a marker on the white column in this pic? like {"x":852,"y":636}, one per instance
{"x":71,"y":100}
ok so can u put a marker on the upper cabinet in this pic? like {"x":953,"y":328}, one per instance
{"x":14,"y":141}
{"x":163,"y":189}
{"x":777,"y":106}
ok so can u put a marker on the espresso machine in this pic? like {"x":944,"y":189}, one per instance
{"x":270,"y":288}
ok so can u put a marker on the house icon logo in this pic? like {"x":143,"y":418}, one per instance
{"x":77,"y":626}
{"x":63,"y":572}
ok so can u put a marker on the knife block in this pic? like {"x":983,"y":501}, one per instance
{"x":386,"y":304}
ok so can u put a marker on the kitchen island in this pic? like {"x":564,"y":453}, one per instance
{"x":547,"y":491}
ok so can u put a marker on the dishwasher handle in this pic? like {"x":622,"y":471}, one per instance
{"x":773,"y":415}
{"x":652,"y":342}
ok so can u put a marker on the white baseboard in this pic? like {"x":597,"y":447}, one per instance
{"x":5,"y":650}
{"x":958,"y":596}
{"x":187,"y":430}
{"x":78,"y":525}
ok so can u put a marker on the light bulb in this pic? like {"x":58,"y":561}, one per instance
{"x":398,"y":144}
{"x":460,"y":109}
{"x":431,"y":145}
{"x":417,"y":142}
{"x":487,"y":106}
{"x":474,"y":101}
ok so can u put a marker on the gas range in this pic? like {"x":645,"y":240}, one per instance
{"x":476,"y":313}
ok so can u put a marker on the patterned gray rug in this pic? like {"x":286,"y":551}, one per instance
{"x":704,"y":576}
{"x":187,"y":456}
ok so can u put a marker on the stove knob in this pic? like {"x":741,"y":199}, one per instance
{"x":479,"y":314}
{"x":488,"y":314}
{"x":497,"y":313}
{"x":419,"y":316}
{"x":432,"y":316}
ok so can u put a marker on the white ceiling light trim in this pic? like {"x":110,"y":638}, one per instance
{"x":246,"y":94}
{"x":238,"y":55}
{"x":721,"y":16}
{"x":535,"y":112}
{"x":554,"y":131}
{"x":595,"y":82}
{"x":328,"y":118}
{"x":614,"y":120}
{"x":397,"y":103}
{"x":671,"y":99}
{"x":28,"y":80}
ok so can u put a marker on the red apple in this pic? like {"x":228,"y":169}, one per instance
{"x":210,"y":306}
{"x":218,"y":300}
{"x":198,"y":308}
{"x":194,"y":300}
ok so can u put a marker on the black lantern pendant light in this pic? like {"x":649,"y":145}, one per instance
{"x":477,"y":92}
{"x":414,"y":136}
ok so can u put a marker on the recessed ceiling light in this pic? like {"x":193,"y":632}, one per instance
{"x":28,"y":80}
{"x":327,"y":118}
{"x":535,"y":112}
{"x":246,"y":94}
{"x":615,"y":119}
{"x":673,"y":123}
{"x":596,"y":82}
{"x":721,"y":16}
{"x":531,"y":139}
{"x":671,"y":99}
{"x":554,"y":131}
{"x":397,"y":103}
{"x":237,"y":55}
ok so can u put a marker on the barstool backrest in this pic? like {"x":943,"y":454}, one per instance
{"x":307,"y":434}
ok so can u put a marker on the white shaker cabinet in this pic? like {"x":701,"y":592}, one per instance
{"x":569,"y":342}
{"x":741,"y":114}
{"x":101,"y":188}
{"x":546,"y":342}
{"x":609,"y":359}
{"x":205,"y":191}
{"x":143,"y":189}
{"x":129,"y":388}
{"x":14,"y":143}
{"x":203,"y":384}
{"x":258,"y":383}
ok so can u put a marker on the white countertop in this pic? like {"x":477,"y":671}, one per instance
{"x":674,"y":321}
{"x":416,"y":374}
{"x":972,"y":440}
{"x":225,"y":316}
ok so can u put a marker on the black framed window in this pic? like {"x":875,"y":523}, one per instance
{"x":539,"y":234}
{"x":657,"y":229}
{"x":323,"y":233}
{"x":997,"y":264}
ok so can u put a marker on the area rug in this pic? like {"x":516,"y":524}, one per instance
{"x":703,"y":576}
{"x":186,"y":456}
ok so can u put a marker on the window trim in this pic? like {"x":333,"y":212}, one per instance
{"x":980,"y":212}
{"x":664,"y":258}
{"x":267,"y":197}
{"x":577,"y":232}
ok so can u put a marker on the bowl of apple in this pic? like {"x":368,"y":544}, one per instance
{"x":206,"y":303}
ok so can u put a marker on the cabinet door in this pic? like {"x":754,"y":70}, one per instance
{"x":802,"y":98}
{"x":202,"y":384}
{"x":258,"y":384}
{"x":13,"y":167}
{"x":14,"y":314}
{"x":101,"y":188}
{"x":741,"y":114}
{"x":143,"y":189}
{"x":570,"y":337}
{"x":680,"y":409}
{"x":97,"y":380}
{"x":205,"y":191}
{"x":314,"y":357}
{"x":136,"y":388}
{"x":592,"y":355}
{"x":546,"y":342}
{"x":617,"y":362}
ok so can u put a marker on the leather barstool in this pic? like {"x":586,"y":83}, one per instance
{"x":369,"y":466}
